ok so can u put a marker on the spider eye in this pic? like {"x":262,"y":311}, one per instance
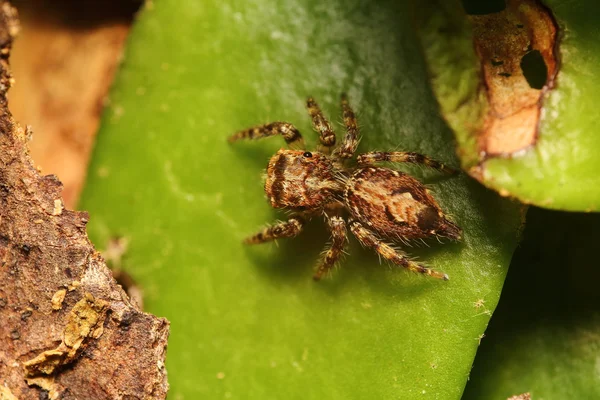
{"x":308,"y":154}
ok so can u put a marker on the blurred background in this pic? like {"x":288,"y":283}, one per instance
{"x":63,"y":63}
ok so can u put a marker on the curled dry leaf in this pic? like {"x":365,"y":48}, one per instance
{"x":493,"y":97}
{"x":67,"y":329}
{"x":502,"y":40}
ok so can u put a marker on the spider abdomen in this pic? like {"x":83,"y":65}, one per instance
{"x":395,"y":205}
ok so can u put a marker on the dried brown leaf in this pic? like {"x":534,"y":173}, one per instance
{"x":501,"y":41}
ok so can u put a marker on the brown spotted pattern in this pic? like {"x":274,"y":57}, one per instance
{"x":350,"y":143}
{"x":395,"y":205}
{"x":286,"y":229}
{"x":339,"y":237}
{"x":290,"y":134}
{"x":370,"y":240}
{"x":383,"y":204}
{"x":402,"y":157}
{"x":321,"y":125}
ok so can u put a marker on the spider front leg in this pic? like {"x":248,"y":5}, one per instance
{"x":350,"y":142}
{"x":290,"y":228}
{"x":370,"y":240}
{"x":339,"y":238}
{"x":403,"y":157}
{"x":321,"y":125}
{"x":289,"y":132}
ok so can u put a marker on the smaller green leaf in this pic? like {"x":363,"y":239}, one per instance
{"x":544,"y":336}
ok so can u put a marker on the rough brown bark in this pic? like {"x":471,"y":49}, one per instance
{"x":67,"y":330}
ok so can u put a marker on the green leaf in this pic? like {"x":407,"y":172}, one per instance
{"x":544,"y":337}
{"x":559,"y":170}
{"x":249,"y":322}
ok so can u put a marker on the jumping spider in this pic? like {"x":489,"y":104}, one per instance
{"x":383,"y":204}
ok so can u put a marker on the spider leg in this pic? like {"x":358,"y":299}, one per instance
{"x":350,"y":142}
{"x":285,"y":229}
{"x":321,"y":125}
{"x":369,"y":239}
{"x":339,"y":238}
{"x":403,"y":157}
{"x":289,"y":132}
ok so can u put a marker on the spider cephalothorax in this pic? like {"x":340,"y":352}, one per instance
{"x":301,"y":180}
{"x":382,"y":203}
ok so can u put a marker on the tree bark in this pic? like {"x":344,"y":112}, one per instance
{"x":67,"y":330}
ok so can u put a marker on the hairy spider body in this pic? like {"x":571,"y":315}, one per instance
{"x":298,"y":182}
{"x":395,"y":205}
{"x":382,"y":203}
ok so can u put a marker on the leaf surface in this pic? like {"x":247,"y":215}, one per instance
{"x":249,"y":322}
{"x":543,"y":337}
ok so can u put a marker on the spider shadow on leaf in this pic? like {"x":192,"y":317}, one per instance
{"x":292,"y":262}
{"x":292,"y":259}
{"x":256,"y":155}
{"x":380,"y":276}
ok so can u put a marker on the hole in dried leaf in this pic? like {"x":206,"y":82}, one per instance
{"x":514,"y":75}
{"x":478,"y":7}
{"x":534,"y":69}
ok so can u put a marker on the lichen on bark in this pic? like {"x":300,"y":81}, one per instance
{"x":67,"y":330}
